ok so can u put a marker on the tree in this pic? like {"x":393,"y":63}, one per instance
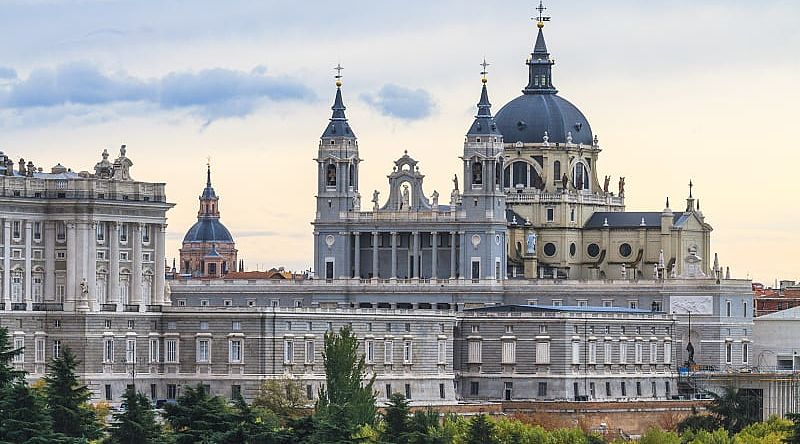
{"x":396,"y":419}
{"x":481,"y":431}
{"x":67,"y":399}
{"x":346,"y":402}
{"x":794,"y":431}
{"x":658,"y":436}
{"x":8,"y":374}
{"x":197,"y":417}
{"x":25,"y":419}
{"x":136,"y":424}
{"x":254,"y":425}
{"x":284,"y":398}
{"x":734,"y":409}
{"x":425,"y":428}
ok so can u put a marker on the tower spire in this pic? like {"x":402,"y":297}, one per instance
{"x":338,"y":126}
{"x":540,"y":64}
{"x":484,"y":122}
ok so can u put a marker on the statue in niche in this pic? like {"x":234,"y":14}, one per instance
{"x":564,"y":181}
{"x":357,"y":201}
{"x":621,"y":187}
{"x":435,"y":198}
{"x":84,"y":288}
{"x":406,"y":199}
{"x":531,"y":243}
{"x":122,"y":166}
{"x":375,"y":197}
{"x":606,"y":182}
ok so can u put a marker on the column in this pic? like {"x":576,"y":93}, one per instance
{"x":375,"y":240}
{"x":7,"y":263}
{"x":49,"y":260}
{"x":414,"y":272}
{"x":452,"y":255}
{"x":357,"y":255}
{"x":72,"y":280}
{"x":159,"y":269}
{"x":113,"y":263}
{"x":83,"y":238}
{"x":136,"y":273}
{"x":465,"y":263}
{"x":434,"y":255}
{"x":91,"y":265}
{"x":27,"y":296}
{"x":394,"y":255}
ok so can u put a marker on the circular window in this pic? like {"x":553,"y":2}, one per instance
{"x":593,"y":250}
{"x":625,"y":250}
{"x":572,"y":249}
{"x":549,"y":249}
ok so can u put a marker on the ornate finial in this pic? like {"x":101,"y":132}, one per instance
{"x":338,"y":75}
{"x":569,"y":136}
{"x":484,"y":72}
{"x":545,"y":138}
{"x":667,"y":202}
{"x":690,"y":188}
{"x":541,"y":18}
{"x":208,"y":161}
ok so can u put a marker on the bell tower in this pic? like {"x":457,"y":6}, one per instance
{"x":483,"y":198}
{"x":337,"y":191}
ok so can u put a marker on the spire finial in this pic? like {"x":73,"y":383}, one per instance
{"x":484,"y":72}
{"x":338,"y":75}
{"x":690,"y":188}
{"x":541,"y":18}
{"x":208,"y":171}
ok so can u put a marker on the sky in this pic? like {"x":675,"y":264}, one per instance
{"x":698,"y":90}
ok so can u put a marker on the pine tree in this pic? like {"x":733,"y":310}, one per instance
{"x":347,"y":402}
{"x":8,"y":374}
{"x":396,"y":419}
{"x":481,"y":431}
{"x":794,"y":431}
{"x":197,"y":417}
{"x":25,"y":419}
{"x":136,"y":424}
{"x":67,"y":399}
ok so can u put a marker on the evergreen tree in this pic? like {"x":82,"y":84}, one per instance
{"x":8,"y":374}
{"x":794,"y":430}
{"x":347,"y":402}
{"x":481,"y":431}
{"x":24,"y":417}
{"x":136,"y":424}
{"x":197,"y":417}
{"x":734,"y":409}
{"x":67,"y":399}
{"x":425,"y":428}
{"x":396,"y":419}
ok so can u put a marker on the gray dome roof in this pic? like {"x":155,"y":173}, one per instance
{"x":208,"y":230}
{"x":526,"y":118}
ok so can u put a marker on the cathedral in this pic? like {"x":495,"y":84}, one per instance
{"x":532,"y":204}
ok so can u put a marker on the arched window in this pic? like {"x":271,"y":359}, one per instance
{"x":477,"y":173}
{"x":519,"y":174}
{"x":330,"y":175}
{"x":352,"y":175}
{"x":580,"y":176}
{"x":498,"y":173}
{"x":100,"y":287}
{"x":556,"y":170}
{"x":507,"y":177}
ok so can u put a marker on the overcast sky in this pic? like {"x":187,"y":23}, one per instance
{"x":680,"y":90}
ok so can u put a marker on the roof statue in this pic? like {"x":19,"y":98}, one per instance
{"x":122,"y":166}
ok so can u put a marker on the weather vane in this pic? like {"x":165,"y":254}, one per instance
{"x":338,"y":75}
{"x":208,"y":161}
{"x":541,"y":18}
{"x":484,"y":72}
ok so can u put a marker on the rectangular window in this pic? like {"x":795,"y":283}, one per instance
{"x":668,"y":353}
{"x":388,"y":390}
{"x":130,"y":351}
{"x":108,"y":351}
{"x":408,"y":349}
{"x":576,"y":353}
{"x":509,"y":355}
{"x":101,"y":232}
{"x":288,"y":351}
{"x":123,"y":233}
{"x":542,"y":352}
{"x":744,"y":309}
{"x":607,"y":352}
{"x":40,"y":346}
{"x":475,"y":352}
{"x":638,"y":388}
{"x":408,"y":391}
{"x":236,"y":391}
{"x":310,"y":351}
{"x":592,"y":352}
{"x":155,"y":350}
{"x":235,"y":351}
{"x":551,"y":214}
{"x":623,"y":390}
{"x":56,"y":349}
{"x":474,"y":388}
{"x":608,"y":389}
{"x":728,"y":353}
{"x":172,"y":391}
{"x":203,"y":325}
{"x":653,"y":353}
{"x":637,"y":352}
{"x":108,"y":392}
{"x":146,"y":234}
{"x":388,"y":352}
{"x":153,"y":391}
{"x":171,"y":349}
{"x":623,"y":352}
{"x":441,"y":348}
{"x":369,"y":351}
{"x":558,"y":302}
{"x":728,"y":308}
{"x":61,"y":231}
{"x":542,"y":389}
{"x":441,"y":391}
{"x":667,"y":388}
{"x":16,"y":230}
{"x":236,"y":325}
{"x":203,"y":350}
{"x":745,"y":352}
{"x":633,"y":304}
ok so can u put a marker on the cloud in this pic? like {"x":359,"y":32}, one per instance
{"x":7,"y":73}
{"x":400,"y":102}
{"x":210,"y":93}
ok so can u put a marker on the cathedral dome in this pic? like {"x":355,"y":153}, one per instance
{"x":208,"y":230}
{"x":539,"y":108}
{"x":526,"y":118}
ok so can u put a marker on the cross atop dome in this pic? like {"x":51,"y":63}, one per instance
{"x":541,"y":18}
